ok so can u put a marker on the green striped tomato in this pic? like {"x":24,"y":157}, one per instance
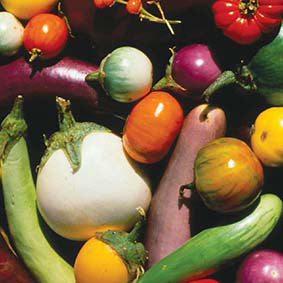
{"x":228,"y":175}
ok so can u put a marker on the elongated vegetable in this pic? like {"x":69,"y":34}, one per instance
{"x":208,"y":250}
{"x":20,"y":204}
{"x":262,"y":75}
{"x":65,"y":77}
{"x":169,"y":225}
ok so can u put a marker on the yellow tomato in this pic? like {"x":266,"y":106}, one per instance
{"x":25,"y":9}
{"x":97,"y":262}
{"x":267,"y":137}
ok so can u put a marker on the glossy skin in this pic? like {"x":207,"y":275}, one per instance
{"x":121,"y":79}
{"x":228,"y":175}
{"x":201,"y":125}
{"x":46,"y":32}
{"x":261,"y":266}
{"x":194,"y":67}
{"x":28,"y":8}
{"x":243,"y":28}
{"x":266,"y":138}
{"x":97,"y":262}
{"x":11,"y":34}
{"x":152,"y":126}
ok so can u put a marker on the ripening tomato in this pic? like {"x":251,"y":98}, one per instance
{"x":97,"y":262}
{"x":267,"y":137}
{"x":133,"y":6}
{"x":25,"y":9}
{"x":45,"y":36}
{"x":152,"y":126}
{"x":228,"y":175}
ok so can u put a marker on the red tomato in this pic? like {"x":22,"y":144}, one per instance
{"x":244,"y":21}
{"x":134,"y":6}
{"x":45,"y":36}
{"x":152,"y":126}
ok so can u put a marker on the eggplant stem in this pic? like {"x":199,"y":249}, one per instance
{"x":226,"y":78}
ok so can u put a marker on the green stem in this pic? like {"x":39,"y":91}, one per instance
{"x":144,"y":14}
{"x":225,"y":79}
{"x":20,"y":205}
{"x":65,"y":116}
{"x":134,"y":234}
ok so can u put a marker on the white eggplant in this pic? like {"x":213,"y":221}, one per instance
{"x":90,"y":185}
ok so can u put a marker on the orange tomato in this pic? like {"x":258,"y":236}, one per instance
{"x":133,"y":6}
{"x":45,"y":36}
{"x":152,"y":126}
{"x":267,"y":137}
{"x":97,"y":262}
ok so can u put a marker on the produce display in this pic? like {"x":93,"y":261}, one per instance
{"x":141,"y":141}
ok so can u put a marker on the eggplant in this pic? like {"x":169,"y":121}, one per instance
{"x":261,"y":75}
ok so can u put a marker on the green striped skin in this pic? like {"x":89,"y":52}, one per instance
{"x":207,"y":251}
{"x":127,"y":74}
{"x":228,"y":175}
{"x":266,"y":68}
{"x":21,"y":210}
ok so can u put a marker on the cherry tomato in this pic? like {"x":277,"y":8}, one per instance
{"x":267,"y":137}
{"x":152,"y":126}
{"x":45,"y":36}
{"x":99,"y":4}
{"x":134,"y":6}
{"x":202,"y":281}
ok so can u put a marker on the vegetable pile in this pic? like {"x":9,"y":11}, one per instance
{"x":141,"y":141}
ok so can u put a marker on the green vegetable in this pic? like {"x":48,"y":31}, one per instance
{"x":207,"y":251}
{"x":20,"y":204}
{"x":262,"y":74}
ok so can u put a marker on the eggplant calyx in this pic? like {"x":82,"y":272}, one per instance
{"x":127,"y":246}
{"x":13,"y":127}
{"x":167,"y":81}
{"x":242,"y":77}
{"x":70,"y":136}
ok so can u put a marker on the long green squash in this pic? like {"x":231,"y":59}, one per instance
{"x":20,"y":204}
{"x":211,"y":248}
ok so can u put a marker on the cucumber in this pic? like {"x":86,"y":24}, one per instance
{"x":204,"y":253}
{"x":30,"y":243}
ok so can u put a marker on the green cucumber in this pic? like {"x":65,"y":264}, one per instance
{"x":20,"y":204}
{"x":211,"y":248}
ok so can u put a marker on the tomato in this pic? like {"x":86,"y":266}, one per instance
{"x":134,"y":6}
{"x":152,"y":126}
{"x":244,"y":21}
{"x":267,"y":137}
{"x":25,"y":9}
{"x":97,"y":262}
{"x":45,"y":36}
{"x":228,"y":175}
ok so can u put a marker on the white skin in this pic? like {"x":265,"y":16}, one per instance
{"x":105,"y":191}
{"x":11,"y":34}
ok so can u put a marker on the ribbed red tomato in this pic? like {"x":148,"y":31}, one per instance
{"x":45,"y":36}
{"x":152,"y":126}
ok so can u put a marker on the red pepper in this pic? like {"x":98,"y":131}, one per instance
{"x":244,"y":21}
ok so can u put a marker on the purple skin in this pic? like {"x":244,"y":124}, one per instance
{"x":194,"y":68}
{"x":65,"y":78}
{"x":261,"y":266}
